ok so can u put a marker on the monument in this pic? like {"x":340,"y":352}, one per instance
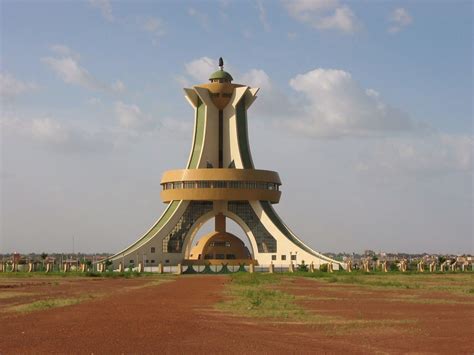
{"x":219,"y":182}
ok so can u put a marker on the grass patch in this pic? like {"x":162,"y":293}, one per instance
{"x":428,"y":300}
{"x":6,"y":294}
{"x":460,"y":283}
{"x":254,"y":279}
{"x":47,"y":304}
{"x":155,"y":282}
{"x":371,"y":326}
{"x":250,"y":296}
{"x":315,"y":298}
{"x":39,"y":274}
{"x":254,"y":296}
{"x":50,"y":303}
{"x":108,"y":274}
{"x":117,"y":275}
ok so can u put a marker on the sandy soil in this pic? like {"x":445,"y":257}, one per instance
{"x":428,"y":322}
{"x":136,"y":316}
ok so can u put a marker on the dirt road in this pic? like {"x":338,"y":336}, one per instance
{"x":179,"y":317}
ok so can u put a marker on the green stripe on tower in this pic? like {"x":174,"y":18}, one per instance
{"x":170,"y":209}
{"x":198,"y":135}
{"x":242,"y":135}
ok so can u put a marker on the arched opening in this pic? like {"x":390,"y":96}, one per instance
{"x":217,"y":239}
{"x":232,"y":227}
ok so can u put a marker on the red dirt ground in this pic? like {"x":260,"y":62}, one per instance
{"x":432,"y":327}
{"x":179,"y":317}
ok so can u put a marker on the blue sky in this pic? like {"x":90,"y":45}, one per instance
{"x":372,"y":101}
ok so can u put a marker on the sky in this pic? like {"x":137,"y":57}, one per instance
{"x":365,"y":109}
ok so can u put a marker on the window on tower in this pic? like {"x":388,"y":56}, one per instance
{"x":222,"y":184}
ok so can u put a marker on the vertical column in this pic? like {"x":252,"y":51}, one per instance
{"x":221,"y":139}
{"x":220,"y":223}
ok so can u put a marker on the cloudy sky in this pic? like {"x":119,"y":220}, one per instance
{"x":365,"y":110}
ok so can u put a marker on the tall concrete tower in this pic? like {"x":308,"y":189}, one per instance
{"x":220,"y":181}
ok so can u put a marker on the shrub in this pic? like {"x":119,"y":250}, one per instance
{"x":393,"y":266}
{"x":302,"y":267}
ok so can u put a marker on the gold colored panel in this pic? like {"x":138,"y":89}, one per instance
{"x":224,"y":243}
{"x":220,"y":93}
{"x":221,"y":175}
{"x":221,"y":194}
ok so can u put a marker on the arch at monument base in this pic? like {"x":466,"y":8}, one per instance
{"x":170,"y":240}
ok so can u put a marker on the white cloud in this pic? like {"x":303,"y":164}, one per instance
{"x":180,"y":128}
{"x":47,"y":129}
{"x":323,"y":14}
{"x":72,"y":73}
{"x":183,"y":81}
{"x":399,"y":19}
{"x":131,"y":117}
{"x":67,"y":67}
{"x":10,"y":123}
{"x":200,"y":17}
{"x":335,"y":105}
{"x":200,"y":69}
{"x":272,"y":103}
{"x":262,"y":16}
{"x":303,"y":8}
{"x":342,"y":19}
{"x":94,"y":101}
{"x":76,"y":136}
{"x":11,"y":87}
{"x":55,"y":134}
{"x":422,"y":155}
{"x":256,"y":78}
{"x":64,"y":51}
{"x":105,"y":8}
{"x":461,"y":148}
{"x":118,"y":86}
{"x":155,"y":27}
{"x":327,"y":103}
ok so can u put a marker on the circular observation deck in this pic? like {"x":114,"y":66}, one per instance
{"x":221,"y":185}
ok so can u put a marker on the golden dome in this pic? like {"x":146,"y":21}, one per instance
{"x":220,"y":87}
{"x":220,"y":246}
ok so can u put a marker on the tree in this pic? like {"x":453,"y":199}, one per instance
{"x":107,"y":263}
{"x":87,"y":263}
{"x":43,"y":257}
